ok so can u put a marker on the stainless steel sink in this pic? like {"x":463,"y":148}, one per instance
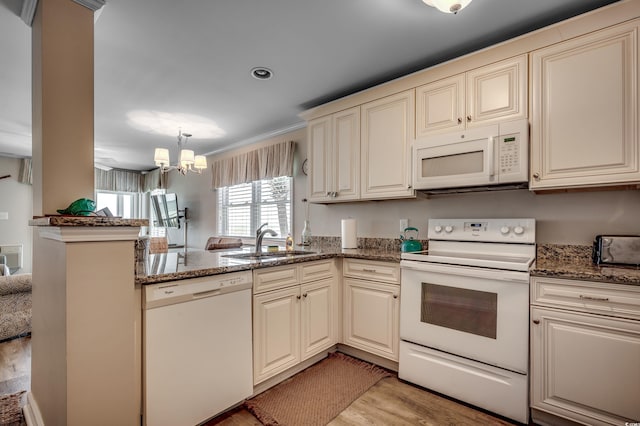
{"x":268,"y":255}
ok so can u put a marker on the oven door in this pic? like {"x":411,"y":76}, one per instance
{"x":477,"y":313}
{"x":455,"y":160}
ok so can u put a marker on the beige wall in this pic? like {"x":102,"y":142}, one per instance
{"x":195,"y":192}
{"x":573,"y":218}
{"x":563,"y":218}
{"x":17,"y":200}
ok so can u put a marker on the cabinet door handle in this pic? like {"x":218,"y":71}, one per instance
{"x":395,"y":296}
{"x":536,"y":175}
{"x":599,"y":299}
{"x":468,"y":118}
{"x":369,"y":270}
{"x":298,"y":297}
{"x":536,"y":321}
{"x":304,"y":295}
{"x":459,"y":120}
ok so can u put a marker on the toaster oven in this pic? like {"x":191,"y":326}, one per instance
{"x":616,"y":250}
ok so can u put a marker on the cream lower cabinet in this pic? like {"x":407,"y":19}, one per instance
{"x":585,"y":343}
{"x":295,"y":315}
{"x":371,"y":304}
{"x":584,"y":130}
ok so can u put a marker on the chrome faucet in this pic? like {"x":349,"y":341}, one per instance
{"x":260,"y":235}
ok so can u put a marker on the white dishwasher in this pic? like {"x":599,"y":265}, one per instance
{"x":197,"y":348}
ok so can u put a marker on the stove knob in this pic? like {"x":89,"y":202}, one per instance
{"x":505,"y":230}
{"x":519,"y":230}
{"x":448,"y":229}
{"x":438,"y":229}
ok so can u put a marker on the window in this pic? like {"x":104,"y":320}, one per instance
{"x":243,"y":208}
{"x":123,"y":204}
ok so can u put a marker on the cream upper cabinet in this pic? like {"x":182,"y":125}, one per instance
{"x":319,"y":159}
{"x":334,"y":157}
{"x":478,"y":97}
{"x":387,"y":132}
{"x":585,"y":111}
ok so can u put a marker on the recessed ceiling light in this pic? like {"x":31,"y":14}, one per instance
{"x":261,"y":73}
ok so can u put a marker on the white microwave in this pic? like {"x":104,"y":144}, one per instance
{"x":484,"y":156}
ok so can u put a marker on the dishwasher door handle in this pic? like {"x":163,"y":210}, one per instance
{"x":207,"y":293}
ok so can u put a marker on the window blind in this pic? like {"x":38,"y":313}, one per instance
{"x":244,"y":207}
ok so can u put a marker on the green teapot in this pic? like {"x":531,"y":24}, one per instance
{"x":409,"y":243}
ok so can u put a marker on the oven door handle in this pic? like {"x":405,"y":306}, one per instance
{"x":467,"y":271}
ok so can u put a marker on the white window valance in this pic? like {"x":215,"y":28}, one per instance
{"x":262,"y":163}
{"x":118,"y":180}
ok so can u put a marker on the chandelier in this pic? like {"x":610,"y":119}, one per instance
{"x":188,"y":162}
{"x":448,"y":6}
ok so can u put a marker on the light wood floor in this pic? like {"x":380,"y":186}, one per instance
{"x":389,"y":402}
{"x":15,"y":365}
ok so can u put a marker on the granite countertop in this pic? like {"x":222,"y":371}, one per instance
{"x":553,"y":261}
{"x":86,"y":221}
{"x":574,"y":262}
{"x":178,"y":265}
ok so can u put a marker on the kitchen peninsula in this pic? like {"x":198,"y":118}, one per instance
{"x":85,"y":359}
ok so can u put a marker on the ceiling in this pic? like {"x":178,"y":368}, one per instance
{"x":187,"y":64}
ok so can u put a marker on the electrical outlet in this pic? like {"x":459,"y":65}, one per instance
{"x":404,"y":223}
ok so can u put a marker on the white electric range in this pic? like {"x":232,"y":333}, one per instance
{"x":464,"y":312}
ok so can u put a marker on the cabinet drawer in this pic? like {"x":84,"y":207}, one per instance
{"x":587,"y":296}
{"x":372,"y":270}
{"x":313,"y":271}
{"x":275,"y":277}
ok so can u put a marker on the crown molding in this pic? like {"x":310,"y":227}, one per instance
{"x":258,"y":138}
{"x":29,"y":8}
{"x":91,"y":4}
{"x":28,"y":11}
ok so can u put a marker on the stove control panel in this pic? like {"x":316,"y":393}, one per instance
{"x":521,"y":231}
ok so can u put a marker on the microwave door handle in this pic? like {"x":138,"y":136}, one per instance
{"x":490,"y":162}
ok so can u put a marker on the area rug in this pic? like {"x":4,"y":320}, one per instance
{"x":317,"y":394}
{"x":10,"y":409}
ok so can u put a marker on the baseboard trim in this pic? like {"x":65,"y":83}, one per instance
{"x":31,"y":412}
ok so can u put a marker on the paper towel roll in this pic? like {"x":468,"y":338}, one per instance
{"x":349,"y":238}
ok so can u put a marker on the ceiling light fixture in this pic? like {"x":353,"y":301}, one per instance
{"x":188,"y":162}
{"x":261,"y":73}
{"x":448,"y":6}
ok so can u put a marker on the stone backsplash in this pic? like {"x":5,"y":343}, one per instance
{"x":385,"y":244}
